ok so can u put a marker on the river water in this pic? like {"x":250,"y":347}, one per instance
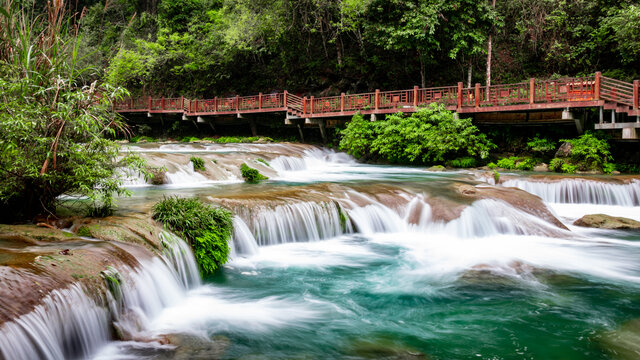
{"x":338,"y":260}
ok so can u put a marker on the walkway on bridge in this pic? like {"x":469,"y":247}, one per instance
{"x":535,"y":95}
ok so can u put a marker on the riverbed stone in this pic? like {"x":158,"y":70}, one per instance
{"x":603,"y":221}
{"x":564,"y":150}
{"x":541,"y":168}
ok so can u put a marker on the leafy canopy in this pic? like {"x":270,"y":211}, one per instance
{"x":429,"y":136}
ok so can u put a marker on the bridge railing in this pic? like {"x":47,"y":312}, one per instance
{"x":294,"y":102}
{"x":618,"y":91}
{"x":447,"y":95}
{"x":566,"y":89}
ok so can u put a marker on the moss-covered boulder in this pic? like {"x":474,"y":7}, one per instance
{"x":602,"y":221}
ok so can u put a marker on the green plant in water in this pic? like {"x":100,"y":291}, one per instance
{"x":206,"y":228}
{"x":525,"y":164}
{"x":251,"y":175}
{"x":84,"y":231}
{"x":556,"y":165}
{"x":496,"y":177}
{"x":263,"y":161}
{"x":198,"y":163}
{"x":492,"y":165}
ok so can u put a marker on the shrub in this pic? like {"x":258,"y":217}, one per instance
{"x":496,"y":176}
{"x":525,"y":164}
{"x":465,"y":162}
{"x":556,"y":165}
{"x":206,"y":228}
{"x":251,"y":175}
{"x":136,"y":139}
{"x":568,"y":168}
{"x":588,"y":152}
{"x":190,"y":139}
{"x":507,"y":163}
{"x":542,"y":146}
{"x":428,"y":136}
{"x":492,"y":165}
{"x":628,"y":168}
{"x":198,"y":163}
{"x":608,"y":168}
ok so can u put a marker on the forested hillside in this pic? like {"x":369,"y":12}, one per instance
{"x":217,"y":47}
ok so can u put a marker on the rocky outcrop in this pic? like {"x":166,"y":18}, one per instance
{"x":35,"y":260}
{"x":602,"y":221}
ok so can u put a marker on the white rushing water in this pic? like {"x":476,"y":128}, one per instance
{"x":581,"y":191}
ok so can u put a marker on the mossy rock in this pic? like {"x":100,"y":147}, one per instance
{"x":602,"y":221}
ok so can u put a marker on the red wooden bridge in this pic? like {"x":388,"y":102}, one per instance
{"x":535,"y":95}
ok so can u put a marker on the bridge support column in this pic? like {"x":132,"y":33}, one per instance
{"x":629,"y":134}
{"x":254,"y":127}
{"x":601,"y":118}
{"x":456,"y":116}
{"x":613,"y":116}
{"x":300,"y":125}
{"x":322,"y":124}
{"x":373,"y":117}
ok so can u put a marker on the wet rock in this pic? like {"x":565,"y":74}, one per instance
{"x":623,"y":343}
{"x":436,"y":168}
{"x":385,"y":349}
{"x":465,"y":189}
{"x":157,"y":175}
{"x":541,"y":168}
{"x":564,"y":150}
{"x":603,"y":221}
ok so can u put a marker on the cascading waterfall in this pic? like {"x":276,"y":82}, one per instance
{"x":314,"y":158}
{"x":581,"y":191}
{"x":302,"y":221}
{"x":69,"y":324}
{"x":244,"y":243}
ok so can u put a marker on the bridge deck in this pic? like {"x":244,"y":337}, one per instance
{"x":579,"y":92}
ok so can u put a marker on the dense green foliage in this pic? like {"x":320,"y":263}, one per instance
{"x":541,"y":145}
{"x":198,"y":163}
{"x":54,"y":127}
{"x":429,"y":136}
{"x":195,"y":47}
{"x":251,"y":175}
{"x":206,"y":228}
{"x":464,"y":162}
{"x":587,"y":153}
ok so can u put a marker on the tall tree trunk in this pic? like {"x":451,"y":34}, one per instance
{"x":423,"y":80}
{"x":469,"y":73}
{"x":489,"y":45}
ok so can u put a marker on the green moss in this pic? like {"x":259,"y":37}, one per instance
{"x":251,"y":175}
{"x":263,"y":161}
{"x":84,"y":231}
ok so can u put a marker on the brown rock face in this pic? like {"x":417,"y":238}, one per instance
{"x":603,"y":221}
{"x":564,"y":150}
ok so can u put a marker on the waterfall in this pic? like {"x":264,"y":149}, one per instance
{"x":581,"y":191}
{"x":67,"y":324}
{"x":311,"y":159}
{"x":302,"y":221}
{"x":243,"y":241}
{"x":184,"y":174}
{"x":70,"y":324}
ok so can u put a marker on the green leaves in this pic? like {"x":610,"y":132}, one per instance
{"x":207,"y":228}
{"x":429,"y":136}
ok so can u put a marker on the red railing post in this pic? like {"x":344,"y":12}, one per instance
{"x":459,"y":95}
{"x":131,"y":104}
{"x":532,"y":90}
{"x":284,"y":96}
{"x":636,"y":94}
{"x":182,"y":103}
{"x":259,"y":101}
{"x":311,"y":105}
{"x":342,"y":102}
{"x":304,"y":105}
{"x":162,"y":103}
{"x":596,"y":86}
{"x":477,"y":95}
{"x":215,"y":104}
{"x":195,"y":105}
{"x":237,"y":103}
{"x":377,"y":104}
{"x":149,"y":104}
{"x":415,"y":96}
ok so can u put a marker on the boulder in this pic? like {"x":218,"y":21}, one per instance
{"x":541,"y":168}
{"x":436,"y":168}
{"x":564,"y":150}
{"x":603,"y":221}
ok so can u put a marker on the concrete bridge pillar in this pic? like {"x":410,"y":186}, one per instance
{"x":254,"y":127}
{"x":322,"y":124}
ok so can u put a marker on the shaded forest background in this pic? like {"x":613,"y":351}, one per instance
{"x":324,"y":47}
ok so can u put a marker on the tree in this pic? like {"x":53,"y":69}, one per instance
{"x":53,"y":129}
